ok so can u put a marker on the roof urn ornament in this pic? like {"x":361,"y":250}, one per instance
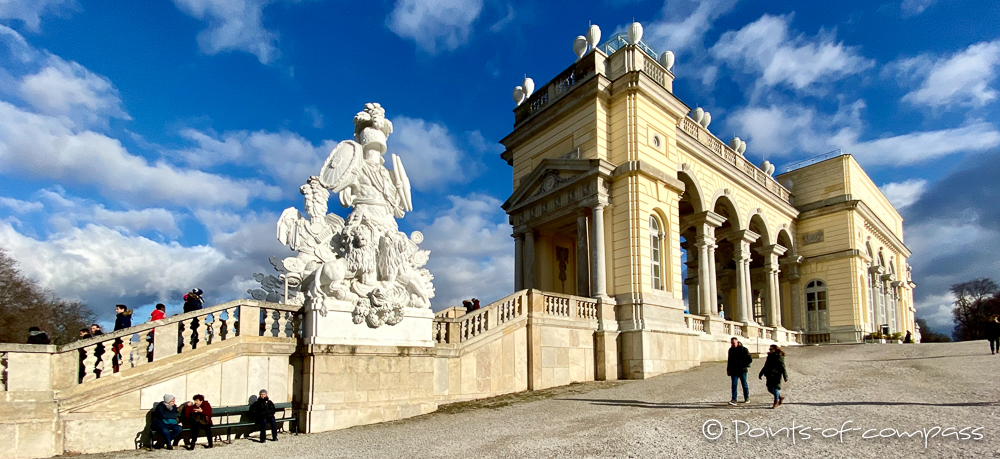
{"x":706,"y":120}
{"x":519,"y":95}
{"x":580,"y":46}
{"x":529,"y":86}
{"x":735,"y":143}
{"x":667,"y":59}
{"x":593,"y":36}
{"x":742,"y":147}
{"x":697,"y":114}
{"x":634,"y":33}
{"x":767,"y":167}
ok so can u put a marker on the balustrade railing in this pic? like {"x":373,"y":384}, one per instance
{"x":3,"y":370}
{"x":453,"y":330}
{"x":556,"y":306}
{"x":709,"y":140}
{"x":136,"y":346}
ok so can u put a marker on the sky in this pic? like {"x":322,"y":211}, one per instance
{"x":148,"y":148}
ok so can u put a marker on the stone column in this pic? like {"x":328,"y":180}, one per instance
{"x":598,"y":268}
{"x":518,"y":261}
{"x":582,"y":256}
{"x":741,"y":255}
{"x":705,"y":224}
{"x":528,"y":266}
{"x":692,"y":280}
{"x":772,"y":296}
{"x":791,"y":266}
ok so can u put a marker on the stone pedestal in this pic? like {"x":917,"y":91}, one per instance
{"x":338,"y":327}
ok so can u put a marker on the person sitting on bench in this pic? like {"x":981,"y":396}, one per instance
{"x":197,"y":417}
{"x":165,"y":421}
{"x":263,"y":409}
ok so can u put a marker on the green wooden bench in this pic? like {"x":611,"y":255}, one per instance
{"x":245,"y":419}
{"x":241,"y":411}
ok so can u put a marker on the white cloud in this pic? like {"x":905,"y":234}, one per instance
{"x":286,"y":156}
{"x":903,"y":194}
{"x":435,"y":25}
{"x":963,"y":79}
{"x":684,"y":24}
{"x":67,"y":89}
{"x":472,"y":253}
{"x":914,"y":7}
{"x":795,"y":129}
{"x":765,"y":47}
{"x":44,"y":146}
{"x":67,"y":212}
{"x":103,"y":266}
{"x":430,"y":153}
{"x":315,"y":116}
{"x":233,"y":25}
{"x":31,"y":11}
{"x":937,"y":311}
{"x":19,"y":206}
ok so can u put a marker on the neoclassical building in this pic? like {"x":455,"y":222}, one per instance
{"x":623,"y":194}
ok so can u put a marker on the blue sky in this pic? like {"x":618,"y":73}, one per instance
{"x":148,"y":147}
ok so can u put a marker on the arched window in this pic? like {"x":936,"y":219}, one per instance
{"x":654,"y":253}
{"x":816,"y":306}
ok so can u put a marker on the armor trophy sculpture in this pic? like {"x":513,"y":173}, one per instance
{"x":363,"y":268}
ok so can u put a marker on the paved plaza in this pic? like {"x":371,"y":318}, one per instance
{"x":906,"y":388}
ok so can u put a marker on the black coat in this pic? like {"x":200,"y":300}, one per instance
{"x":263,"y":408}
{"x":774,"y":370}
{"x":739,"y":360}
{"x":992,"y":330}
{"x":38,"y":337}
{"x":192,"y":302}
{"x":123,"y":320}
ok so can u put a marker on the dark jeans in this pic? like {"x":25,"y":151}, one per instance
{"x":742,"y":377}
{"x":263,"y":427}
{"x":774,"y":390}
{"x":994,"y":345}
{"x":197,"y":429}
{"x":169,"y":432}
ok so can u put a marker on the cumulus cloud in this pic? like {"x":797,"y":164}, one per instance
{"x":903,"y":194}
{"x":233,"y":25}
{"x":435,"y":25}
{"x":794,"y":129}
{"x":67,"y":212}
{"x":20,"y":207}
{"x":67,"y":89}
{"x":914,"y":7}
{"x":953,"y":230}
{"x":47,"y":147}
{"x":963,"y":79}
{"x":472,"y":253}
{"x":31,"y":11}
{"x":286,"y":156}
{"x":684,"y":24}
{"x":430,"y":153}
{"x":767,"y":48}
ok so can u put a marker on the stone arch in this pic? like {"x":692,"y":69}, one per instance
{"x":692,"y":189}
{"x":758,"y":224}
{"x":785,"y":240}
{"x":723,"y":198}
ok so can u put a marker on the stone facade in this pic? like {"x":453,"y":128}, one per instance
{"x":615,"y":187}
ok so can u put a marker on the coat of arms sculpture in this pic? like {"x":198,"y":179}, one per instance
{"x":364,"y":260}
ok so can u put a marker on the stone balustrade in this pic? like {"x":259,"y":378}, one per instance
{"x":454,"y":330}
{"x":709,"y":140}
{"x":725,"y":328}
{"x":142,"y":344}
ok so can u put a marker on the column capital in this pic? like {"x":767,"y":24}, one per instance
{"x":707,"y":217}
{"x":776,"y":250}
{"x":746,"y":236}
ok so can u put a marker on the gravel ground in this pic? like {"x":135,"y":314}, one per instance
{"x":902,"y":387}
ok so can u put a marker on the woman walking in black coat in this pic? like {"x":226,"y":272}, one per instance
{"x":774,"y":370}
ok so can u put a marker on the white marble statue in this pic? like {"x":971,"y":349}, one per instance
{"x":364,"y":260}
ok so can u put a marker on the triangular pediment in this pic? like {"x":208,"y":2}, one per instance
{"x":550,"y":176}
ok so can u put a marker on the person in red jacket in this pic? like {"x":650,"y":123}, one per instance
{"x":159,"y":313}
{"x":197,"y":416}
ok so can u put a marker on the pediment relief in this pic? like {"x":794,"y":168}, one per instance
{"x":549,"y":177}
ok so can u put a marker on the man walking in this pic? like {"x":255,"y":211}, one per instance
{"x":737,"y":367}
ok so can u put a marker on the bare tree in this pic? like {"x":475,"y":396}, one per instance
{"x":975,"y":302}
{"x":24,"y":304}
